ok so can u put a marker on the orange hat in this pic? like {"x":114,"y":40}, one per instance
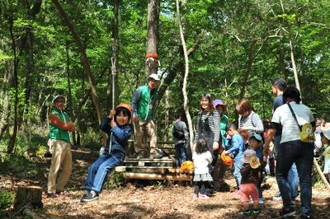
{"x":126,"y":106}
{"x":226,"y":159}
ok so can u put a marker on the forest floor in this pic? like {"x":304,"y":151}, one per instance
{"x":145,"y":199}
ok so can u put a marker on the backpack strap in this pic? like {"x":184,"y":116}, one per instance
{"x":294,"y":116}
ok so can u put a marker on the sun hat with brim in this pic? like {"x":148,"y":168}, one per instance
{"x":248,"y":153}
{"x":326,"y":133}
{"x":58,"y":97}
{"x":257,"y":137}
{"x":154,"y":77}
{"x":218,"y":102}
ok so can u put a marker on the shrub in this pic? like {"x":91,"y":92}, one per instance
{"x":6,"y":199}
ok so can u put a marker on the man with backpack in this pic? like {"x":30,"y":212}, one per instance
{"x":181,"y":140}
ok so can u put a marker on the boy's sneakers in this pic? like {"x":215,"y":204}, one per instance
{"x":247,"y":213}
{"x":289,"y":212}
{"x":256,"y":212}
{"x":203,"y":196}
{"x":91,"y":196}
{"x":277,"y":197}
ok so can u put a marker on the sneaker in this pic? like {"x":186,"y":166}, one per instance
{"x":277,"y":197}
{"x":261,"y":200}
{"x":247,"y":213}
{"x":256,"y":211}
{"x":290,"y":212}
{"x":203,"y":196}
{"x":91,"y":196}
{"x":195,"y":195}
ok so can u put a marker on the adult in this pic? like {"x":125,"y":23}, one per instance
{"x":207,"y":128}
{"x":144,"y":103}
{"x":59,"y":141}
{"x":181,"y":140}
{"x":220,"y":167}
{"x":278,"y":87}
{"x":208,"y":123}
{"x":292,"y":150}
{"x":249,"y":121}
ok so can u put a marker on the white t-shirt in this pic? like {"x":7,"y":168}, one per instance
{"x":201,"y":162}
{"x":290,"y":129}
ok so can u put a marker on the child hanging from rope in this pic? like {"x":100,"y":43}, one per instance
{"x":116,"y":125}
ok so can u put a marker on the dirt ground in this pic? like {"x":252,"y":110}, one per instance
{"x":160,"y":200}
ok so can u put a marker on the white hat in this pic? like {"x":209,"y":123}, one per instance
{"x":57,"y":97}
{"x":247,"y":154}
{"x":154,"y":77}
{"x":257,"y":137}
{"x":326,"y":133}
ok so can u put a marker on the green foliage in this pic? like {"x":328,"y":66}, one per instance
{"x":6,"y":199}
{"x":115,"y":180}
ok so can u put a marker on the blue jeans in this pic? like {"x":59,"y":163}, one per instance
{"x":237,"y":171}
{"x":99,"y":170}
{"x":293,"y":178}
{"x":180,"y":154}
{"x":301,"y":154}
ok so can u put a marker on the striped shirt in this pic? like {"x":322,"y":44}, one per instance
{"x":214,"y":124}
{"x":252,"y":123}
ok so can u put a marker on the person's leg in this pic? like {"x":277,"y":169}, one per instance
{"x":237,"y":172}
{"x":293,"y":179}
{"x":285,"y":158}
{"x":151,"y":130}
{"x":92,"y":170}
{"x":66,"y":168}
{"x":107,"y":166}
{"x":197,"y":187}
{"x":183,"y":153}
{"x":57,"y":157}
{"x":304,"y":166}
{"x":137,"y":138}
{"x":177,"y":156}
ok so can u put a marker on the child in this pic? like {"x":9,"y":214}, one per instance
{"x":236,"y":150}
{"x":250,"y":176}
{"x":116,"y":125}
{"x":202,"y":158}
{"x":255,"y":143}
{"x":325,"y":138}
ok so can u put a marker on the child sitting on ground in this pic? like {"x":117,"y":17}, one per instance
{"x":202,"y":158}
{"x":325,"y":138}
{"x":236,"y":151}
{"x":250,"y":176}
{"x":255,"y":143}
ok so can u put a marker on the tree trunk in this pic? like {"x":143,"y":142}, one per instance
{"x":185,"y":80}
{"x":28,"y":196}
{"x":152,"y":37}
{"x":12,"y":139}
{"x":83,"y":57}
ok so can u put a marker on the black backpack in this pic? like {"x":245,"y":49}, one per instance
{"x":179,"y":134}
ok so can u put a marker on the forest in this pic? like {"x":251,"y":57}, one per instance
{"x":94,"y":52}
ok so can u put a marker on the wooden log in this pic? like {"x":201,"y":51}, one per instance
{"x":317,"y":166}
{"x":28,"y":196}
{"x":155,"y":176}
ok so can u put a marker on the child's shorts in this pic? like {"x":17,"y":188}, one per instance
{"x":249,"y":190}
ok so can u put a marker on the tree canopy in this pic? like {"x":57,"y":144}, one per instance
{"x":235,"y":49}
